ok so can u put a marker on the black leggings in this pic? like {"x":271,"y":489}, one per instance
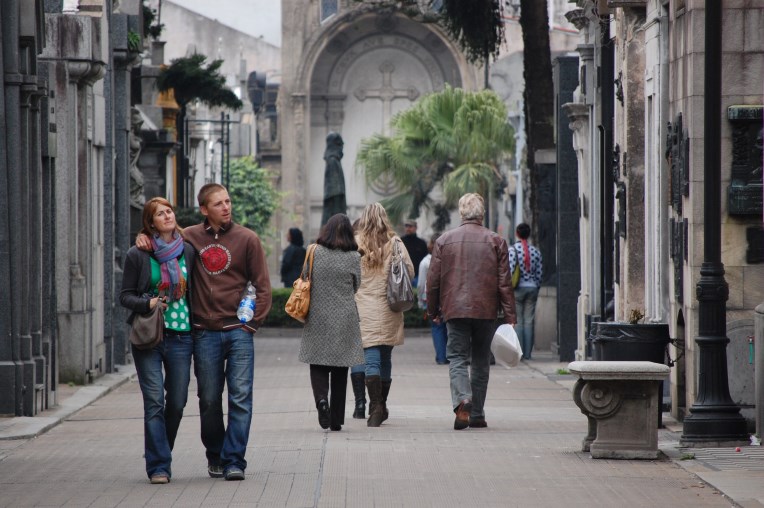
{"x":319,"y":380}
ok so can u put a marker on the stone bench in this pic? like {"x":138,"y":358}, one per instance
{"x":621,"y":402}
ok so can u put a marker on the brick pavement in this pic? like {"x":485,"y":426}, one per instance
{"x":528,"y":457}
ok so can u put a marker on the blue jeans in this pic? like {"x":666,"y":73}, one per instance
{"x":439,"y":340}
{"x":469,"y":340}
{"x":225,"y":357}
{"x":358,"y":369}
{"x":378,"y":362}
{"x":525,"y":306}
{"x":164,"y":396}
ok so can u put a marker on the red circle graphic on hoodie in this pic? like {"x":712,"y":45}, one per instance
{"x":215,"y":258}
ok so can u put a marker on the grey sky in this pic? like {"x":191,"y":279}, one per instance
{"x":253,"y":17}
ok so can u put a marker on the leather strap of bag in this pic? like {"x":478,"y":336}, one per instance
{"x":161,"y":295}
{"x":308,"y":262}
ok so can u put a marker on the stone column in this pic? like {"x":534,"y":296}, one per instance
{"x":75,"y":66}
{"x":580,"y":125}
{"x":124,"y":61}
{"x":13,"y":82}
{"x":35,"y":232}
{"x":301,"y":184}
{"x":630,"y":173}
{"x":565,"y":72}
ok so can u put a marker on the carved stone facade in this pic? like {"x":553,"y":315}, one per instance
{"x":350,"y":69}
{"x":65,"y":107}
{"x":656,"y":89}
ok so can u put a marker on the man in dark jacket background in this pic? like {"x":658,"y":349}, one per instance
{"x":416,"y":247}
{"x":467,"y":281}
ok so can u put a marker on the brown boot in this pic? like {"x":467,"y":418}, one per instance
{"x":385,"y":391}
{"x":376,"y":405}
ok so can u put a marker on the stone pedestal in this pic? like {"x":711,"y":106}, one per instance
{"x":621,"y":402}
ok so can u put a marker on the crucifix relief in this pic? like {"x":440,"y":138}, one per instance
{"x":387,"y":93}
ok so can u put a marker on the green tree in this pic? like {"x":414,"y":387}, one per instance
{"x":477,"y":26}
{"x":454,"y":138}
{"x":253,"y":195}
{"x":191,"y":80}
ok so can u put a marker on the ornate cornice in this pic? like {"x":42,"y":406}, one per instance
{"x":578,"y":18}
{"x":85,"y":71}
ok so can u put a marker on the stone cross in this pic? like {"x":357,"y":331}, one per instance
{"x":386,"y":93}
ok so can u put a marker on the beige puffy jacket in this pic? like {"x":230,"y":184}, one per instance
{"x":379,"y":325}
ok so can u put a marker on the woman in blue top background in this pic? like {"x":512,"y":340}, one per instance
{"x":527,"y":290}
{"x":164,"y":394}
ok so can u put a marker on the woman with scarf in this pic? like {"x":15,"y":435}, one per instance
{"x":151,"y":279}
{"x":527,"y":290}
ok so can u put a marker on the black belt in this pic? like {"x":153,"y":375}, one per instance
{"x":176,"y":333}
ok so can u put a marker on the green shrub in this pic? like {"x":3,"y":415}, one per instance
{"x":414,"y":318}
{"x":277,"y":317}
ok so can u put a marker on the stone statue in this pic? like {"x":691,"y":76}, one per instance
{"x":137,"y":198}
{"x":334,"y":178}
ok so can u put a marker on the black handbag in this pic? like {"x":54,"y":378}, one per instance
{"x":400,"y":292}
{"x":147,"y":330}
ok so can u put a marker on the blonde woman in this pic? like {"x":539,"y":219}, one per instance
{"x":381,"y":328}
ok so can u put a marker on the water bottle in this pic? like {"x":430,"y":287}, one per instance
{"x":247,"y":306}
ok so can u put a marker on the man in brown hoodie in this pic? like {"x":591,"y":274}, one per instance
{"x":228,"y":257}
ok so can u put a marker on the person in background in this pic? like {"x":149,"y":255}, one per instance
{"x":467,"y":281}
{"x":230,"y":257}
{"x":292,"y":258}
{"x":331,"y":339}
{"x":438,"y":330}
{"x":168,"y":269}
{"x":416,"y":247}
{"x":381,"y":328}
{"x":527,"y":290}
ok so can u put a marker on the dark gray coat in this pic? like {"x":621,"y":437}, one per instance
{"x":332,"y":333}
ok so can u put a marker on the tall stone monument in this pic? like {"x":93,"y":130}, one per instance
{"x":334,"y":178}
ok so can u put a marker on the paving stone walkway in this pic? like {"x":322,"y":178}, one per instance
{"x":529,"y":456}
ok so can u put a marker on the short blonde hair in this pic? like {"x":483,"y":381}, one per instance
{"x":471,"y":206}
{"x":206,"y":190}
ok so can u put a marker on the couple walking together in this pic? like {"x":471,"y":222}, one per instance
{"x":203,"y":270}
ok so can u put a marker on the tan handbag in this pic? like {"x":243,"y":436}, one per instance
{"x":147,"y":330}
{"x":298,"y":304}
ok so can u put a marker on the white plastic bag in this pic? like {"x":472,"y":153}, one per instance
{"x":505,"y":346}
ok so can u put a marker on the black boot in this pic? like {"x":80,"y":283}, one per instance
{"x":385,"y":391}
{"x":376,"y":405}
{"x":359,"y":390}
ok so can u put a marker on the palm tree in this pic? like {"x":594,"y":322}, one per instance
{"x":190,"y":81}
{"x":454,"y":138}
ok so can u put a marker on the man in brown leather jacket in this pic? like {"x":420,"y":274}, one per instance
{"x":467,"y":281}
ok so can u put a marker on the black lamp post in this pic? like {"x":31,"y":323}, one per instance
{"x":714,"y":418}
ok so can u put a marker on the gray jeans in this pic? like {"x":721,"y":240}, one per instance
{"x":469,"y":341}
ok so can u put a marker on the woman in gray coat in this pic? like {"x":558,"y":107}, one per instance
{"x":331,"y":339}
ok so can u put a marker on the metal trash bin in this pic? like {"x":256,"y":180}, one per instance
{"x":612,"y":341}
